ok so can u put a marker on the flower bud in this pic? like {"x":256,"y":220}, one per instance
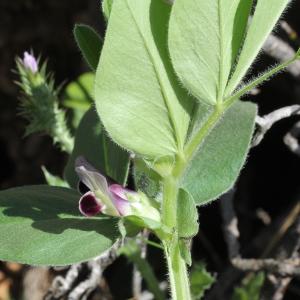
{"x":30,"y":62}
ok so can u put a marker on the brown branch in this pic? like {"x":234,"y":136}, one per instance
{"x":277,"y":285}
{"x":62,"y":286}
{"x":266,"y":122}
{"x":286,"y":267}
{"x":230,"y":224}
{"x":137,"y":276}
{"x":285,"y":263}
{"x":292,"y":138}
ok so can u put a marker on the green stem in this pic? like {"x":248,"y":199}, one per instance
{"x":250,"y":86}
{"x":169,"y":204}
{"x":178,"y":275}
{"x":193,"y":145}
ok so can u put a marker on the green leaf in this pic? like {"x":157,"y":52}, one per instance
{"x":90,"y":44}
{"x":204,"y":41}
{"x":128,"y":228}
{"x":161,"y":230}
{"x":106,"y":8}
{"x":200,"y":280}
{"x":185,"y":251}
{"x":133,"y":253}
{"x":138,"y":98}
{"x":187,"y":215}
{"x":250,"y":289}
{"x":53,"y":180}
{"x":79,"y":93}
{"x":219,"y":159}
{"x":146,"y":179}
{"x":92,"y":142}
{"x":264,"y":19}
{"x":41,"y":225}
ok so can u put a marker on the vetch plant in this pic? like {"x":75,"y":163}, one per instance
{"x":167,"y":101}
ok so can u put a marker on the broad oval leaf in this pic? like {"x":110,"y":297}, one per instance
{"x":264,"y":19}
{"x":92,"y":142}
{"x":90,"y":44}
{"x":137,"y":95}
{"x":204,"y":41}
{"x":41,"y":225}
{"x":219,"y":159}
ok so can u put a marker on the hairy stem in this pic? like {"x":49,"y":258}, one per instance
{"x":194,"y":143}
{"x":178,"y":276}
{"x":179,"y":280}
{"x":256,"y":82}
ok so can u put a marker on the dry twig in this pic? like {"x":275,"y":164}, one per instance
{"x":266,"y":122}
{"x":292,"y":138}
{"x":62,"y":286}
{"x":137,"y":277}
{"x":282,"y":51}
{"x":230,"y":224}
{"x":286,"y":267}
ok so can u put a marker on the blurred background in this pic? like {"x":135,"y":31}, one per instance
{"x":268,"y":189}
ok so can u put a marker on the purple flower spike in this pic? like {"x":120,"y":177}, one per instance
{"x":30,"y":62}
{"x":88,"y":205}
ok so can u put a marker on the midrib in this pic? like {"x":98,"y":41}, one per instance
{"x":221,"y":61}
{"x":176,"y":133}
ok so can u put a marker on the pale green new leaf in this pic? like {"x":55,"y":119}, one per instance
{"x":204,"y":41}
{"x":41,"y":225}
{"x":264,"y":19}
{"x":137,"y":95}
{"x":78,"y":94}
{"x":53,"y":180}
{"x":219,"y":159}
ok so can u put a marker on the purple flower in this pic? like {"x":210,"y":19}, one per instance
{"x":110,"y":198}
{"x":30,"y":62}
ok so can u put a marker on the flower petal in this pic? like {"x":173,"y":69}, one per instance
{"x":123,"y":206}
{"x":120,"y":191}
{"x":90,"y":176}
{"x":30,"y":62}
{"x":89,"y":206}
